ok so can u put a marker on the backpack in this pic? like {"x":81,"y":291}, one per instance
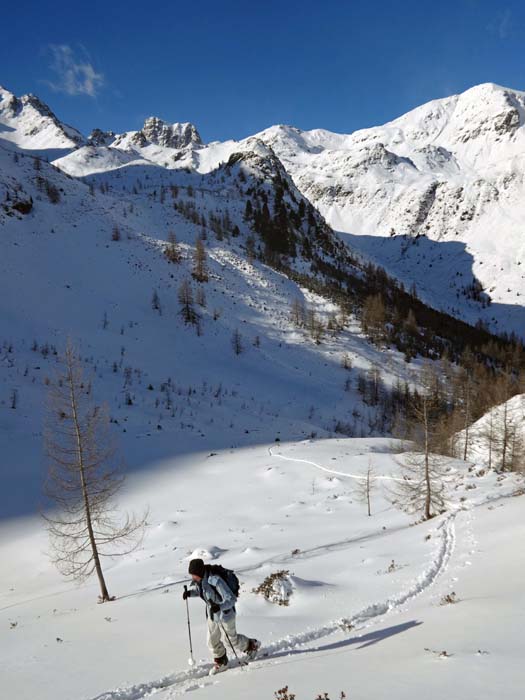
{"x":227,"y":575}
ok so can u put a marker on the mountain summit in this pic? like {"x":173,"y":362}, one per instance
{"x":29,"y":123}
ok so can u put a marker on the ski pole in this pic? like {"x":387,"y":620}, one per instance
{"x":241,"y":663}
{"x":191,"y":660}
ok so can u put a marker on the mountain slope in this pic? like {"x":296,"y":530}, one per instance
{"x":84,"y":243}
{"x":87,"y":259}
{"x":435,"y":194}
{"x":450,"y":171}
{"x":202,"y":400}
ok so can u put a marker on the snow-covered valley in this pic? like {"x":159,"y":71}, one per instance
{"x":366,"y":614}
{"x":219,"y":300}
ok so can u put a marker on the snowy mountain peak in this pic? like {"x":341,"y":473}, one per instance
{"x":489,"y":109}
{"x":490,"y":92}
{"x":31,"y":124}
{"x":9,"y":103}
{"x":100,"y":138}
{"x":157,"y":141}
{"x":291,"y":139}
{"x":178,"y":135}
{"x":483,"y":109}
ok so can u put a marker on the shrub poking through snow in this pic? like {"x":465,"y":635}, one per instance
{"x":441,"y":654}
{"x":276,"y":588}
{"x":346,"y":624}
{"x":285,"y":694}
{"x":449,"y":599}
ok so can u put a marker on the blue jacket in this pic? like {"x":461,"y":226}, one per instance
{"x":214,"y":589}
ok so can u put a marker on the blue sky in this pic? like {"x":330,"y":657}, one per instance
{"x":234,"y":68}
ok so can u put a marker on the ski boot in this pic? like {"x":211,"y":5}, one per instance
{"x":253,"y":648}
{"x":220,"y":664}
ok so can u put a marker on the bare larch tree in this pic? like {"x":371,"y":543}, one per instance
{"x":365,"y":487}
{"x":172,"y":249}
{"x":187,"y":310}
{"x":200,"y":267}
{"x":83,"y":479}
{"x":425,"y":472}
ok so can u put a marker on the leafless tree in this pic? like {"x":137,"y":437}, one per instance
{"x":516,"y":461}
{"x":83,"y":480}
{"x":364,"y":488}
{"x":346,"y":361}
{"x":375,"y":382}
{"x":187,"y":309}
{"x":425,"y":473}
{"x":250,"y":249}
{"x":464,"y":399}
{"x":155,"y":302}
{"x":237,"y":343}
{"x":200,"y":267}
{"x":200,"y":297}
{"x":297,"y":313}
{"x":487,"y":435}
{"x":373,"y":317}
{"x":508,"y":439}
{"x":172,"y":249}
{"x":315,"y":326}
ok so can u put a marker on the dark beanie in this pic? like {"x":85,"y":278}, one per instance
{"x":196,"y":567}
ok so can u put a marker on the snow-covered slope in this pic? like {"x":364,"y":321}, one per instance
{"x":365,"y":615}
{"x":62,"y":274}
{"x":167,"y":382}
{"x":105,"y":152}
{"x":500,"y":429}
{"x":434,"y":195}
{"x":198,"y":417}
{"x":450,"y":171}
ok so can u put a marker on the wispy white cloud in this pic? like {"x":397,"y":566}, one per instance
{"x":504,"y":25}
{"x":74,"y":74}
{"x":501,"y":26}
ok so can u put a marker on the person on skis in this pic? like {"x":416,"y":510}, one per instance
{"x":212,"y":587}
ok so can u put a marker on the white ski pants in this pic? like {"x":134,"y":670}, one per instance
{"x":219,"y":646}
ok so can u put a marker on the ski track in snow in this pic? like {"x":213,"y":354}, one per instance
{"x":333,"y":471}
{"x":183,"y":681}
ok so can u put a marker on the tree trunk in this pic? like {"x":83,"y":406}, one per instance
{"x":427,"y":465}
{"x":103,"y":588}
{"x":491,"y":437}
{"x":467,"y":418}
{"x":505,"y":443}
{"x":368,"y":491}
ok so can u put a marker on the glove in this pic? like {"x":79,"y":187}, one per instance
{"x":215,"y":608}
{"x":185,"y":594}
